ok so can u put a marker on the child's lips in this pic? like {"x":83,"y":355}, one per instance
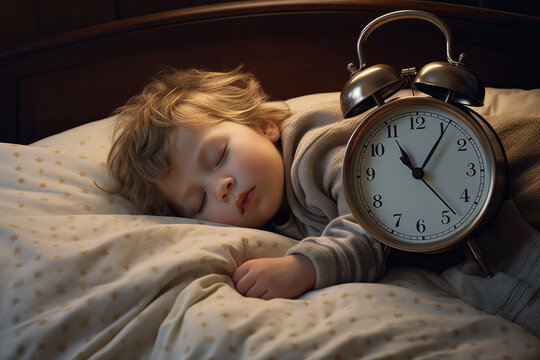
{"x":244,"y":200}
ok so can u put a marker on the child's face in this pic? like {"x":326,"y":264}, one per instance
{"x":227,"y":173}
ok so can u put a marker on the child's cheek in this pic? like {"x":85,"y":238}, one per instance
{"x":269,"y":207}
{"x":219,"y":216}
{"x":247,"y":163}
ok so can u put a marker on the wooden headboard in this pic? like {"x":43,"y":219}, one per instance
{"x":294,"y":47}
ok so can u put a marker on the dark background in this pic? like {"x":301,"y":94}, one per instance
{"x":64,"y":63}
{"x":24,"y":21}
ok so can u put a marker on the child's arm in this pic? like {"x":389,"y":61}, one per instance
{"x":343,"y":253}
{"x":267,"y":278}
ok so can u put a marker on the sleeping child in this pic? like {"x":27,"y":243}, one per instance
{"x":210,"y":146}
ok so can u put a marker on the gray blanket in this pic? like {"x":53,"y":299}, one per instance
{"x":512,"y":242}
{"x":512,"y":248}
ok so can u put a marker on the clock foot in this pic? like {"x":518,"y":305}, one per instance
{"x":479,"y":257}
{"x":387,"y":250}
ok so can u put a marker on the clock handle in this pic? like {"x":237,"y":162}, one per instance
{"x":399,"y":15}
{"x":479,"y":257}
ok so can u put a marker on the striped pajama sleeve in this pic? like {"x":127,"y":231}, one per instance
{"x":343,"y":253}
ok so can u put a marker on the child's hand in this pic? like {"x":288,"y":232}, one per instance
{"x":267,"y":278}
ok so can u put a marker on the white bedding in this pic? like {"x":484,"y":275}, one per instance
{"x":82,"y":276}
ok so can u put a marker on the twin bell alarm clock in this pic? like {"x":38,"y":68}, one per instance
{"x":421,"y":174}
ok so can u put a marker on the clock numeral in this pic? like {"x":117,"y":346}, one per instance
{"x":471,"y":169}
{"x":377,"y":149}
{"x":398,"y":219}
{"x":417,"y":123}
{"x":443,"y":129}
{"x":445,"y":218}
{"x":377,"y":201}
{"x":465,"y":195}
{"x":392,"y":131}
{"x":370,"y":172}
{"x":462,"y":144}
{"x":420,"y":227}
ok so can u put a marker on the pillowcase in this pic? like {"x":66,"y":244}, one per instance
{"x":59,"y":174}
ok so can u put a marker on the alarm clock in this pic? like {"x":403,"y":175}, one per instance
{"x":421,"y":173}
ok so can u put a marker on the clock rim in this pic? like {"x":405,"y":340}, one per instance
{"x":495,"y":164}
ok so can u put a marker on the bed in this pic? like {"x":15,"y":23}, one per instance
{"x":84,"y":276}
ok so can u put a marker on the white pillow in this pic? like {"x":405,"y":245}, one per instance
{"x":58,"y":174}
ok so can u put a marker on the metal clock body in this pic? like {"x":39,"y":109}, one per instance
{"x":422,"y":175}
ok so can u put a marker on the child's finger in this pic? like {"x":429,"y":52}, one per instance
{"x":256,"y":290}
{"x":269,"y":295}
{"x":240,"y":272}
{"x":245,"y":283}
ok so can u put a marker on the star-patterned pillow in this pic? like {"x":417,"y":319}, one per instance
{"x":58,"y":175}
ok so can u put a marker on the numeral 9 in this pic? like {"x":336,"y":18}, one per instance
{"x":370,"y":172}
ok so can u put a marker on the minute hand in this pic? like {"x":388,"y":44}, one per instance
{"x":434,"y":147}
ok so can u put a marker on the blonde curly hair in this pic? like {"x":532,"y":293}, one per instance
{"x":141,"y":152}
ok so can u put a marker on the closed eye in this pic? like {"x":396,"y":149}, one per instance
{"x":222,"y":157}
{"x":203,"y":204}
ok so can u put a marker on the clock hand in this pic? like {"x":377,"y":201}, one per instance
{"x":440,"y":198}
{"x":434,"y":147}
{"x":405,"y":157}
{"x":418,"y":173}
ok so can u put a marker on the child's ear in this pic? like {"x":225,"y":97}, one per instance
{"x":271,"y":131}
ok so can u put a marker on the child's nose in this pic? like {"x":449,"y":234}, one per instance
{"x":224,"y":188}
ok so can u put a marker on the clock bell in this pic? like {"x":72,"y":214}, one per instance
{"x":446,"y":159}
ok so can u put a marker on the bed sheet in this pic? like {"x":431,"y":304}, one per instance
{"x":83,"y":276}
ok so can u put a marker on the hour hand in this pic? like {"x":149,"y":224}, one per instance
{"x":405,"y":157}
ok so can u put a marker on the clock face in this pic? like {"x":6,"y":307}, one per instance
{"x":418,"y":174}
